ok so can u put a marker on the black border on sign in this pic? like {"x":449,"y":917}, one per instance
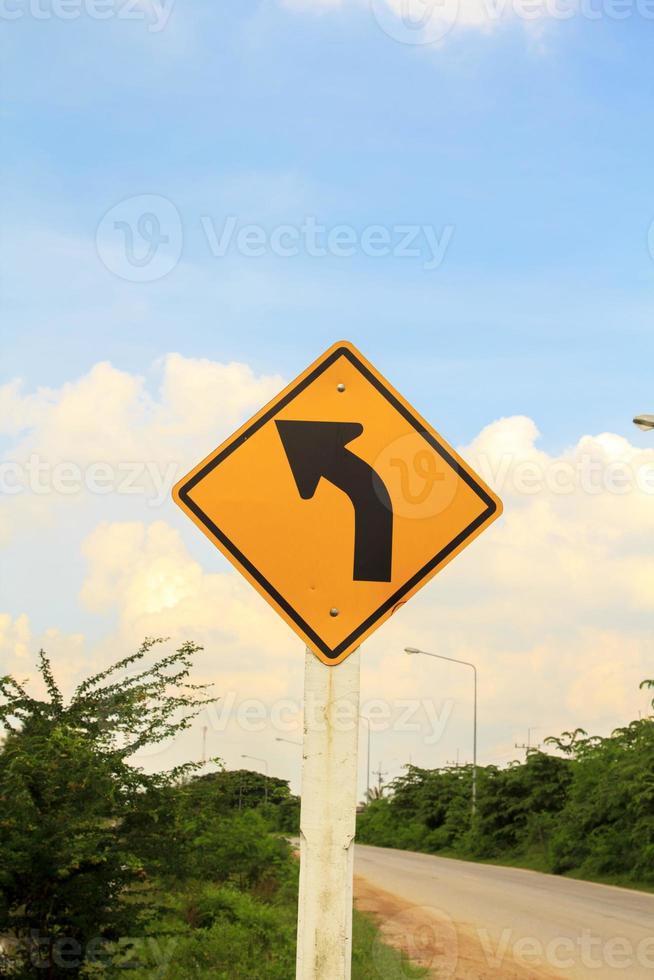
{"x":333,"y":654}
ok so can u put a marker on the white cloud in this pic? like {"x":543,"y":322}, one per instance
{"x":15,"y":640}
{"x":19,"y":647}
{"x":316,"y":5}
{"x":19,"y":412}
{"x":111,"y":415}
{"x":106,"y":434}
{"x":144,"y":574}
{"x":421,"y":22}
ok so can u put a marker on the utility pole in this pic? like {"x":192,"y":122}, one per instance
{"x":528,"y":747}
{"x":204,"y":744}
{"x":380,"y":778}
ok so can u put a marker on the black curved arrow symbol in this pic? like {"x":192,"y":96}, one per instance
{"x":316,"y":450}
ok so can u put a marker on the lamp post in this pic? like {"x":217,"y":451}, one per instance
{"x":646,"y":423}
{"x":465,"y":663}
{"x":367,"y":721}
{"x":254,"y":758}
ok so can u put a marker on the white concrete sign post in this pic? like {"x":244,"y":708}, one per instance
{"x":328,"y":818}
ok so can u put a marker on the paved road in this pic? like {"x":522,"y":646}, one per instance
{"x":506,"y":922}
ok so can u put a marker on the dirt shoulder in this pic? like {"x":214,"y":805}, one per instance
{"x":450,"y":951}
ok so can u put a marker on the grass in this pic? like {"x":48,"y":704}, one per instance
{"x":212,"y":932}
{"x":373,"y":960}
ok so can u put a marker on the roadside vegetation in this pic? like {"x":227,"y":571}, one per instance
{"x":172,"y":876}
{"x":583,"y":808}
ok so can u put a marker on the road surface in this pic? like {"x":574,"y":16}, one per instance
{"x":481,"y":922}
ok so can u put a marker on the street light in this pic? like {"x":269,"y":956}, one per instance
{"x":254,"y":758}
{"x":644,"y":422}
{"x":367,"y":721}
{"x":465,"y":663}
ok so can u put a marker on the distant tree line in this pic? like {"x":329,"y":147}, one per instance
{"x":584,"y":807}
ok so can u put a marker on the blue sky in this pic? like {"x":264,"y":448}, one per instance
{"x":537,"y":150}
{"x":526,"y":150}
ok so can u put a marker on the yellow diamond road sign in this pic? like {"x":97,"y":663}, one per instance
{"x":337,"y":501}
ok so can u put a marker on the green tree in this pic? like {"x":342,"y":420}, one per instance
{"x":205,"y":833}
{"x":607,"y":826}
{"x":68,"y":787}
{"x":243,"y":790}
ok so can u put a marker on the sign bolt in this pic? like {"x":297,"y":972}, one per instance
{"x":340,"y":388}
{"x":334,"y":613}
